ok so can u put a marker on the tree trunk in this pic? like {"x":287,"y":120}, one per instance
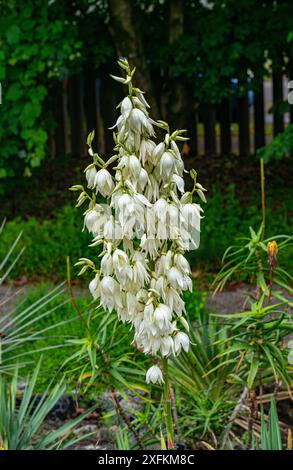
{"x":128,"y":42}
{"x":177,"y":106}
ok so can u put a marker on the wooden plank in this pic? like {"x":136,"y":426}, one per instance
{"x":108,"y":99}
{"x":192,"y":134}
{"x":78,"y":138}
{"x":259,"y":119}
{"x":243,"y":125}
{"x":291,"y":87}
{"x":277,"y":100}
{"x":225,"y":126}
{"x":90,"y":102}
{"x":209,"y":116}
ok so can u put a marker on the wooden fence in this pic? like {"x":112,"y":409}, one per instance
{"x":235,"y":126}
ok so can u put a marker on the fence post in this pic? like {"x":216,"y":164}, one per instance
{"x":77,"y":116}
{"x":259,"y":119}
{"x":91,"y":105}
{"x":243,"y":125}
{"x":209,"y":116}
{"x":225,"y":126}
{"x":277,"y":100}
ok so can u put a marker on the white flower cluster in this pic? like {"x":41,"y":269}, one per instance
{"x":144,"y":228}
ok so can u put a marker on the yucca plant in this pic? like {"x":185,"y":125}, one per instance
{"x":105,"y":361}
{"x":122,"y":439}
{"x":22,"y":415}
{"x":7,"y":263}
{"x":270,"y":431}
{"x":19,"y":325}
{"x":203,"y":364}
{"x":250,"y":258}
{"x":204,"y":380}
{"x":257,"y":342}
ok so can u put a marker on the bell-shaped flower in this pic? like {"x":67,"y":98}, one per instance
{"x":110,"y":293}
{"x":167,"y":165}
{"x":90,"y":175}
{"x":182,"y":263}
{"x":175,"y":278}
{"x":126,"y":107}
{"x":104,"y":183}
{"x":158,"y":152}
{"x":167,"y":345}
{"x":143,"y":179}
{"x":179,"y":181}
{"x":90,"y":219}
{"x":154,"y":375}
{"x":107,"y":265}
{"x":162,"y":316}
{"x":191,"y":215}
{"x":181,"y":340}
{"x":94,"y":286}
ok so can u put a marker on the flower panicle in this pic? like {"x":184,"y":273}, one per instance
{"x":144,"y":227}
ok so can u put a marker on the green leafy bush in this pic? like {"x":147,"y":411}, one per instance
{"x":47,"y":243}
{"x":280,"y":147}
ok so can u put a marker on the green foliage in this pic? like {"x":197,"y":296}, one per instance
{"x":251,"y":258}
{"x":21,"y":419}
{"x":36,"y":49}
{"x":256,"y":342}
{"x":47,"y":244}
{"x":23,"y":327}
{"x":55,"y":323}
{"x":104,"y":359}
{"x":270,"y":432}
{"x":227,"y":218}
{"x":258,"y":334}
{"x":218,"y":43}
{"x":280,"y":147}
{"x":203,"y":378}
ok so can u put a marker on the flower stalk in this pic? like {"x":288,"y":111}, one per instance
{"x":167,"y":404}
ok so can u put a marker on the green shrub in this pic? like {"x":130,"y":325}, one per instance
{"x":227,"y":218}
{"x":47,"y":243}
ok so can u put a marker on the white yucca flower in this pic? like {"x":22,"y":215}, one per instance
{"x":104,"y":183}
{"x":181,"y":340}
{"x":90,"y":175}
{"x":154,"y":375}
{"x":143,"y":230}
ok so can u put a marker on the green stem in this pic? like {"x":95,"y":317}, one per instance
{"x":167,"y":403}
{"x":263,"y":205}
